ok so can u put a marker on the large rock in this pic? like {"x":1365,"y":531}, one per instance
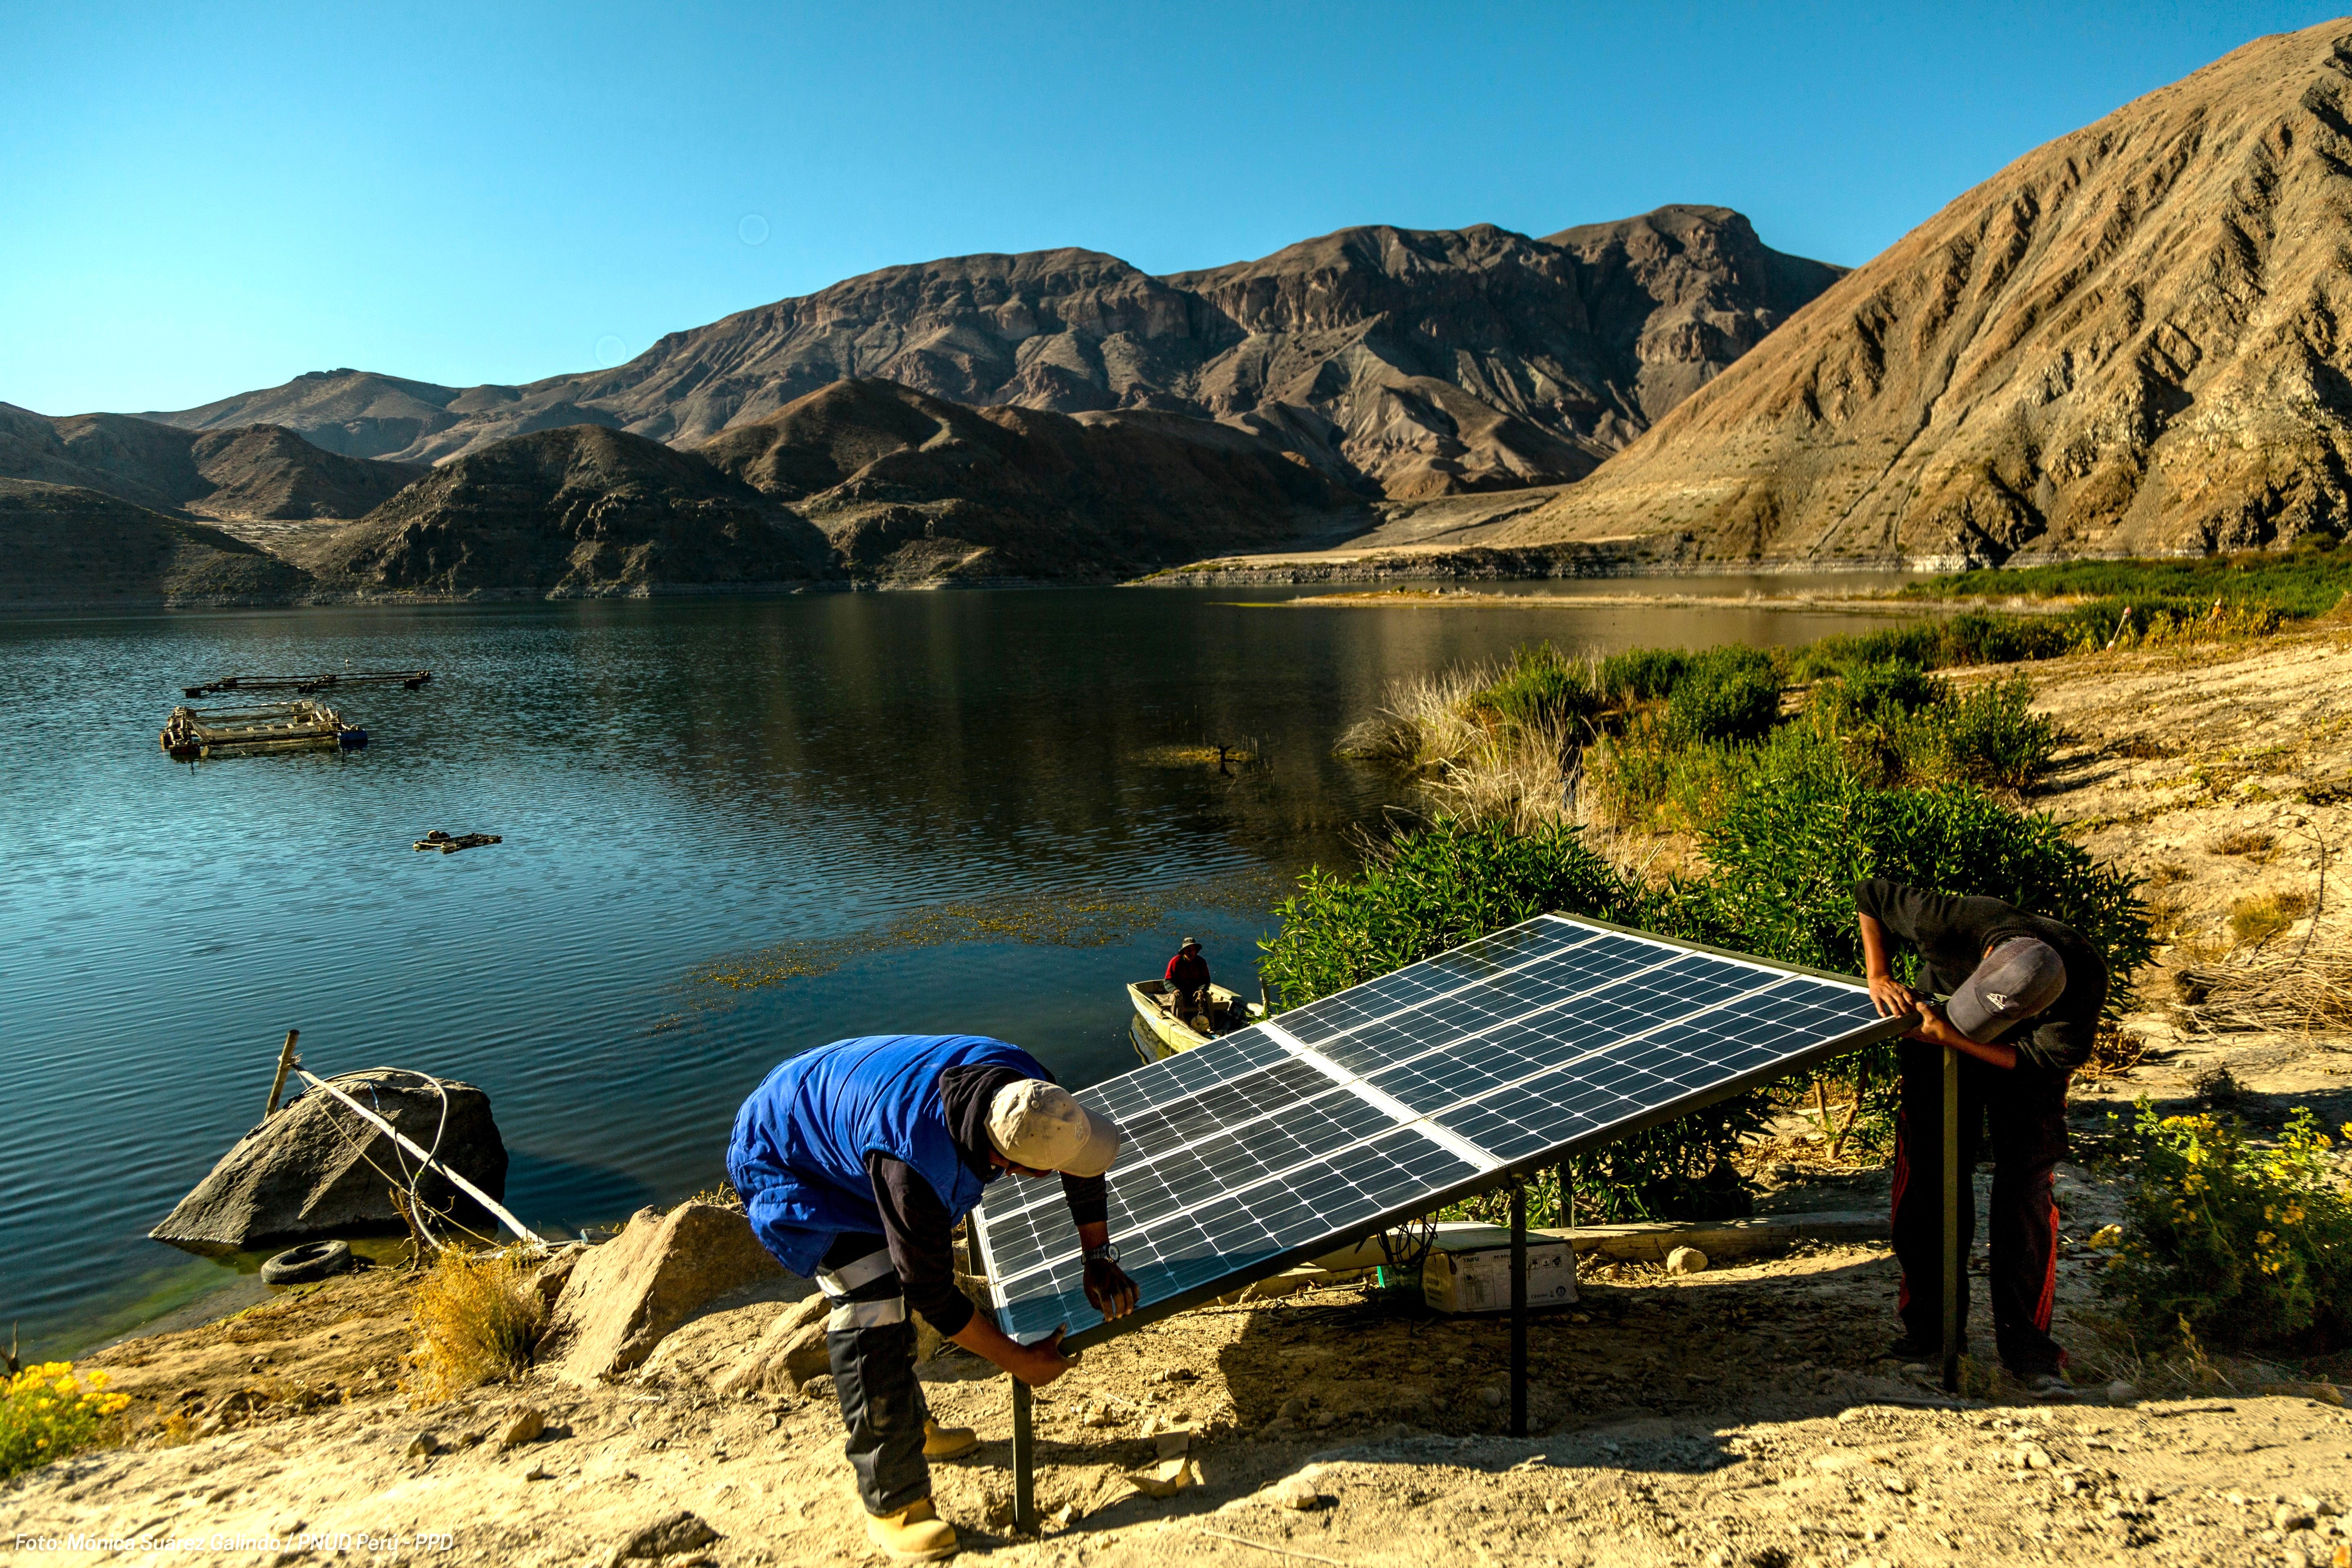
{"x":317,"y":1169}
{"x":624,"y":1297}
{"x":791,"y":1352}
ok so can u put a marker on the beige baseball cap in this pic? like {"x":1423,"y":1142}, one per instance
{"x":1041,"y":1125}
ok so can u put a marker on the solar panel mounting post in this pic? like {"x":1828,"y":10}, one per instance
{"x":1025,"y":1462}
{"x":1519,"y":1308}
{"x":1955,"y":1271}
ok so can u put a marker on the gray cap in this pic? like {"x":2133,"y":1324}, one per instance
{"x":2019,"y":978}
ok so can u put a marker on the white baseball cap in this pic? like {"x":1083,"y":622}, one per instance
{"x":1041,"y":1126}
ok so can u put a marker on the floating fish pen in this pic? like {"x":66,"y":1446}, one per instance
{"x":408,"y":679}
{"x":276,"y":727}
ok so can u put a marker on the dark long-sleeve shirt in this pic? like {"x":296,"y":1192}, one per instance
{"x":916,"y":1225}
{"x":1952,"y":934}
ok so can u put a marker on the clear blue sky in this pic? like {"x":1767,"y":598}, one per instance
{"x":197,"y":200}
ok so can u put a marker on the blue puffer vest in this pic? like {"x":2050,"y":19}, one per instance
{"x":798,"y":1153}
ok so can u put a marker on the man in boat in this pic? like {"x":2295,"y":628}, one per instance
{"x":1188,"y":981}
{"x":856,"y":1161}
{"x":2025,"y":995}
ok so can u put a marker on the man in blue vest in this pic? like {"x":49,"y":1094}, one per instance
{"x":856,"y":1161}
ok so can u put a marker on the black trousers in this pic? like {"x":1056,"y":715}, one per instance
{"x":2021,"y":1116}
{"x":871,"y":1341}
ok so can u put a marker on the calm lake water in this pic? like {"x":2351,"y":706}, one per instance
{"x":733,"y":828}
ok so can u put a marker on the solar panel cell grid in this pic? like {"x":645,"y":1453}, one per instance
{"x":1321,"y":1125}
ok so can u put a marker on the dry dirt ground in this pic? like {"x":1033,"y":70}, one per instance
{"x":1742,"y":1415}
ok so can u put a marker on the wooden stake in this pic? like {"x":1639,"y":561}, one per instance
{"x":285,"y":1061}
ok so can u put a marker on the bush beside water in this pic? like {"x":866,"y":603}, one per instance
{"x":1886,"y":769}
{"x":46,"y":1412}
{"x":2297,"y":585}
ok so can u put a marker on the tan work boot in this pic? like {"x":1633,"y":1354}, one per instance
{"x":916,"y":1533}
{"x":947,"y":1442}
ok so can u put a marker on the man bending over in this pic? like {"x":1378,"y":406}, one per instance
{"x":856,"y":1161}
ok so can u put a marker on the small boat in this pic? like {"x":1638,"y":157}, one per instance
{"x":1163,"y":1033}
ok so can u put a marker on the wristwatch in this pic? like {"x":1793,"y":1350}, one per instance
{"x":1106,"y":1253}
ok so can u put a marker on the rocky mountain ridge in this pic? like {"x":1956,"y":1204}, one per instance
{"x":249,"y":471}
{"x":2131,"y":340}
{"x":1406,"y":363}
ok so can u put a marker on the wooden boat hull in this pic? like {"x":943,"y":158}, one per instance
{"x":1161,"y":1033}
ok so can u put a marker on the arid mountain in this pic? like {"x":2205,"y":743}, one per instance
{"x":64,"y":545}
{"x":1416,"y":362}
{"x":256,"y":472}
{"x":2132,"y":339}
{"x":577,"y":512}
{"x":912,"y":488}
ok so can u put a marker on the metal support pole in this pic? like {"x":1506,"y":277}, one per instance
{"x":1956,"y":1265}
{"x":1518,"y":1309}
{"x":285,"y":1060}
{"x":1025,"y":1462}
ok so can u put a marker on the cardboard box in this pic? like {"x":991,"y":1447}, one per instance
{"x":1463,"y":1281}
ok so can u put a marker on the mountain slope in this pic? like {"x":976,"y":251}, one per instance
{"x":911,"y":487}
{"x":254,"y":471}
{"x":2131,"y":339}
{"x":576,"y":513}
{"x":1418,"y":362}
{"x":63,"y":545}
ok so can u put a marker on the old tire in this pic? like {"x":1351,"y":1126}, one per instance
{"x":311,"y":1260}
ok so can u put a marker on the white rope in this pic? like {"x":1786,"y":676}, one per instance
{"x":462,"y":1185}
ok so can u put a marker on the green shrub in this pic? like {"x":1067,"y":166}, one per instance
{"x":1641,"y":674}
{"x":1541,"y":690}
{"x":1428,"y":891}
{"x":1991,"y":736}
{"x":1644,"y":780}
{"x":1787,"y":851}
{"x":1876,"y":693}
{"x":2242,"y":1247}
{"x":46,"y":1412}
{"x":1723,"y":701}
{"x":2308,"y":581}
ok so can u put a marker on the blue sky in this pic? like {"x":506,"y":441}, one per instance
{"x":200,"y":200}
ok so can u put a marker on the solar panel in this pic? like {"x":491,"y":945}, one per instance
{"x":1341,"y":1118}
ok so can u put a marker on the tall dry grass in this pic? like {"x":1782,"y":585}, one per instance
{"x":479,"y":1316}
{"x":1471,"y":759}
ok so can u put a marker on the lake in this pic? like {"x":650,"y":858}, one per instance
{"x":732,"y":828}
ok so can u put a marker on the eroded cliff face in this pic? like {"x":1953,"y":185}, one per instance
{"x":580,"y":511}
{"x":248,"y":472}
{"x":914,"y":489}
{"x":1410,"y":363}
{"x":2128,"y":340}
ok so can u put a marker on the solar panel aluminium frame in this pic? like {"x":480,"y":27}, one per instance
{"x":1501,"y":1175}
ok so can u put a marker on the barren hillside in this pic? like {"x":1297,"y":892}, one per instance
{"x":2129,"y":340}
{"x":1416,"y":362}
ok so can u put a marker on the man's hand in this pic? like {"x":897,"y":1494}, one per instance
{"x":1108,"y":1289}
{"x":1891,"y":997}
{"x":1040,"y":1363}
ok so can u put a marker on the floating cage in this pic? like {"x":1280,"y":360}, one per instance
{"x":275,"y":727}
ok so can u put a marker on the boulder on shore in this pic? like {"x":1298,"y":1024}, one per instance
{"x":623,"y":1298}
{"x":317,"y":1169}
